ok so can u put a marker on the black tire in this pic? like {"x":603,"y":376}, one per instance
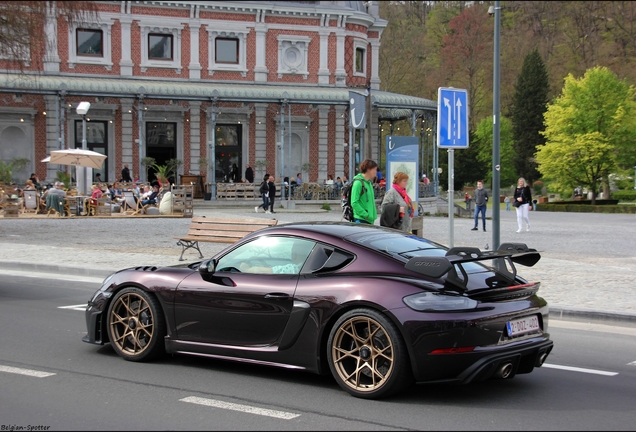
{"x":136,"y":325}
{"x":368,"y":367}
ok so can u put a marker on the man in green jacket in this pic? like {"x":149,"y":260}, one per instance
{"x":363,"y":203}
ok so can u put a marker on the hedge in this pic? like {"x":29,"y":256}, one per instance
{"x":602,"y":202}
{"x":624,"y":195}
{"x":582,"y":208}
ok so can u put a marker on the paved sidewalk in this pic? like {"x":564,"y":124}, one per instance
{"x":588,"y":260}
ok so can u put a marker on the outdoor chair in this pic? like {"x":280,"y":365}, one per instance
{"x":55,"y":205}
{"x":30,"y":202}
{"x":131,"y":205}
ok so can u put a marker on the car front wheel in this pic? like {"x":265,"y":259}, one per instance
{"x":367,"y":355}
{"x":136,"y":325}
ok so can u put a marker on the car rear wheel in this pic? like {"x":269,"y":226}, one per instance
{"x":136,"y":325}
{"x":367,"y":355}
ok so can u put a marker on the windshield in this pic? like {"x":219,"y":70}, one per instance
{"x":404,"y":247}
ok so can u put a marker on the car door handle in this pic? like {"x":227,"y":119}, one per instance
{"x":277,"y":296}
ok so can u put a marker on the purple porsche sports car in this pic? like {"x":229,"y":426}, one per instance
{"x":377,"y":308}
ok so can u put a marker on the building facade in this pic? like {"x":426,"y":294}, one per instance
{"x":212,"y":84}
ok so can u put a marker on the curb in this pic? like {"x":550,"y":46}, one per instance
{"x":55,"y":268}
{"x":583,"y":314}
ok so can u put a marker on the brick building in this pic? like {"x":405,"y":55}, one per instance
{"x":209,"y":83}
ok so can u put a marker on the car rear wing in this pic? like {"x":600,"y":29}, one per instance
{"x":505,"y":257}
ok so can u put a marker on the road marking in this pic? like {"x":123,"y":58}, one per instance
{"x":79,"y":307}
{"x":586,"y":326}
{"x":632,"y":363}
{"x":242,"y":408}
{"x":27,"y":372}
{"x":54,"y":276}
{"x":577,"y":369}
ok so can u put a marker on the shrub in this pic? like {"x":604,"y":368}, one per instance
{"x":326,"y":206}
{"x":624,"y":195}
{"x":585,"y":208}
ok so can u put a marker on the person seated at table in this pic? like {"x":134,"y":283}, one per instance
{"x":35,"y":180}
{"x":29,"y":185}
{"x":135,"y":190}
{"x":344,"y":180}
{"x":144,"y":192}
{"x":56,"y":190}
{"x":329,"y":180}
{"x":115,"y":192}
{"x":95,"y":195}
{"x":152,"y":198}
{"x":299,"y":179}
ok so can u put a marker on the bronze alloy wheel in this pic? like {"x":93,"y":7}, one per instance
{"x":135,"y":325}
{"x":362,"y":354}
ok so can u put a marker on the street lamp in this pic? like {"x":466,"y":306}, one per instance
{"x":496,"y":122}
{"x":82,"y":173}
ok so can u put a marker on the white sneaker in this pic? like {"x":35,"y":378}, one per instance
{"x":256,"y":209}
{"x":519,"y":230}
{"x":268,"y":212}
{"x":528,"y":228}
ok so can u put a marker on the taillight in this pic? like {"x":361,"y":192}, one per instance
{"x":453,"y":350}
{"x":528,"y":285}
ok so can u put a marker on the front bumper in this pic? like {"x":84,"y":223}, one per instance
{"x":96,"y":332}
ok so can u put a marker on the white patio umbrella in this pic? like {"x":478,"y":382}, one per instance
{"x":77,"y":157}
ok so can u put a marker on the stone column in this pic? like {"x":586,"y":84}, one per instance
{"x":126,"y":64}
{"x":260,"y":69}
{"x":260,"y":136}
{"x":52,"y":134}
{"x":375,"y":64}
{"x":341,"y":73}
{"x":127,"y":137}
{"x":195,"y":136}
{"x":195,"y":66}
{"x":375,"y":130}
{"x":340,"y":138}
{"x":323,"y":141}
{"x":323,"y":72}
{"x":51,"y":60}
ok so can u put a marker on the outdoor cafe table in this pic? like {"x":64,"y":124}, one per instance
{"x":79,"y":201}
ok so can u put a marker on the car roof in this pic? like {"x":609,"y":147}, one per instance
{"x":336,"y":230}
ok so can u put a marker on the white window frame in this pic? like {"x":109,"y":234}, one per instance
{"x":241,"y":34}
{"x":293,"y":42}
{"x":173,"y":30}
{"x":105,"y":60}
{"x":360,"y":44}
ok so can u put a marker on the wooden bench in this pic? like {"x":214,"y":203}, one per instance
{"x":215,"y":230}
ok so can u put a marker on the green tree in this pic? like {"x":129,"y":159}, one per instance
{"x":483,"y":143}
{"x":467,"y":169}
{"x":590,"y":127}
{"x":528,"y":107}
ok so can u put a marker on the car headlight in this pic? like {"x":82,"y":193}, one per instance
{"x":102,"y":289}
{"x":429,"y":301}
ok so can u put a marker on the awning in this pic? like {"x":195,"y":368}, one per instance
{"x":202,"y":91}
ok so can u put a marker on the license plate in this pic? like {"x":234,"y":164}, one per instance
{"x":524,"y":325}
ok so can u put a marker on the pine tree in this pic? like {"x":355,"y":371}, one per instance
{"x":528,"y":106}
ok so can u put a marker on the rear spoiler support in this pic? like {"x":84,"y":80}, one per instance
{"x":509,"y":253}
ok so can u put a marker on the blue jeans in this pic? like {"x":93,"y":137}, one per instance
{"x":480,"y":209}
{"x":361,"y":221}
{"x":508,"y":206}
{"x":265,"y":202}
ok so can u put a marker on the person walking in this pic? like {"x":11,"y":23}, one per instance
{"x":272,"y":193}
{"x":249,"y":173}
{"x":397,"y":195}
{"x":362,"y":195}
{"x":481,"y":199}
{"x":264,"y":191}
{"x":125,"y":174}
{"x":522,"y":200}
{"x":507,"y":201}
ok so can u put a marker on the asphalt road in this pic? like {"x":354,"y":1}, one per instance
{"x":92,"y":388}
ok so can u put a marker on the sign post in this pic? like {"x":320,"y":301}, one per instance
{"x":452,"y":133}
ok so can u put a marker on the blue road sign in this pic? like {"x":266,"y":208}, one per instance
{"x":452,"y":118}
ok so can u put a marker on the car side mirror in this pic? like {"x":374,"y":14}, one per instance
{"x":207,"y":268}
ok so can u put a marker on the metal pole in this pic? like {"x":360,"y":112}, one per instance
{"x":282,"y":139}
{"x":495,"y":134}
{"x":213,"y":151}
{"x":289,"y":129}
{"x":451,"y":196}
{"x":635,"y":178}
{"x":351,"y":155}
{"x":81,"y":171}
{"x":142,"y":172}
{"x":435,"y":166}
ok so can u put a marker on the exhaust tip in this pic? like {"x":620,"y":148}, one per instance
{"x":506,"y":370}
{"x":542,"y":358}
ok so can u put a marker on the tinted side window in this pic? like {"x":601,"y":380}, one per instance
{"x":268,"y":255}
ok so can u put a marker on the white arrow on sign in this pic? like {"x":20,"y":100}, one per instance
{"x":447,"y":105}
{"x":458,"y":105}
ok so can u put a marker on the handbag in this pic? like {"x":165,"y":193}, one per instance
{"x":516,"y":203}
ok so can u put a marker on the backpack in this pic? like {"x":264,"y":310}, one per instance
{"x":264,"y":188}
{"x":347,"y":210}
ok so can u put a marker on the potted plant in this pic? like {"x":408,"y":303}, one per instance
{"x":173,"y":167}
{"x":65,"y":178}
{"x":260,"y":165}
{"x":7,"y":169}
{"x":161,"y":173}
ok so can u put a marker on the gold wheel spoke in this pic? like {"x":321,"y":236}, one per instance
{"x":346,"y":353}
{"x":381,"y":353}
{"x":119,"y":320}
{"x":355,"y":334}
{"x":143,"y":328}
